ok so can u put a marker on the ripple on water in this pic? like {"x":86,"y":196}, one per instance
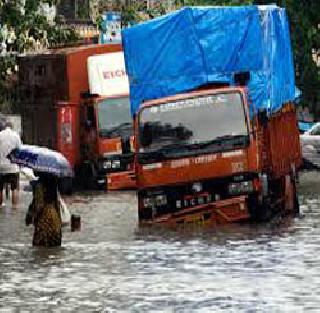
{"x":112,"y":265}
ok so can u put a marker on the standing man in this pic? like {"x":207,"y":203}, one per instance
{"x":9,"y":172}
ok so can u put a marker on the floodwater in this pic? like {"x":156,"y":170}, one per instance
{"x":113,"y":266}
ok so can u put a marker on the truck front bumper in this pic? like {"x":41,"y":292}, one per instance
{"x":121,"y":181}
{"x":218,"y":212}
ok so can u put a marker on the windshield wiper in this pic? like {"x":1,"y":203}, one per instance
{"x":151,"y":155}
{"x":176,"y":149}
{"x":220,"y":141}
{"x":164,"y":152}
{"x":233,"y":139}
{"x":118,"y":128}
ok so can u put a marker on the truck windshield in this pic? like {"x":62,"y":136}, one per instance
{"x":114,"y":118}
{"x":208,"y":123}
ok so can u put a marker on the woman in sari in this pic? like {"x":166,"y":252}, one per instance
{"x":44,"y":212}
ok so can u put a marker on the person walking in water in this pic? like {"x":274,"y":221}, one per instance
{"x":9,"y":172}
{"x":44,"y":212}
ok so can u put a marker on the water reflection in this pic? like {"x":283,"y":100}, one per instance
{"x":112,"y":264}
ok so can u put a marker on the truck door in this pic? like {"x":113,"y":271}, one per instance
{"x":88,"y":132}
{"x":67,"y":115}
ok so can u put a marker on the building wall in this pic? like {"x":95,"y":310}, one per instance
{"x":148,"y":4}
{"x":67,"y":8}
{"x":70,"y":8}
{"x":74,"y":9}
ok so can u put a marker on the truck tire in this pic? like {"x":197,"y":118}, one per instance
{"x":102,"y":187}
{"x":259,"y":210}
{"x":85,"y":176}
{"x":264,"y":213}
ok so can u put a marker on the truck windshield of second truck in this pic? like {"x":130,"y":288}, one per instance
{"x":186,"y":127}
{"x":114,"y":118}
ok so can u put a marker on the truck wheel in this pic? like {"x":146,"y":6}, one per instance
{"x":102,"y":186}
{"x":259,"y":210}
{"x":264,"y":212}
{"x":86,"y":177}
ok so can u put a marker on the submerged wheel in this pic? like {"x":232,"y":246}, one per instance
{"x":259,"y":210}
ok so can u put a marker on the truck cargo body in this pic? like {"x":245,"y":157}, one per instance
{"x":45,"y":80}
{"x":247,"y":172}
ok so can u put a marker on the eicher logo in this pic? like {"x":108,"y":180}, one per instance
{"x":114,"y":74}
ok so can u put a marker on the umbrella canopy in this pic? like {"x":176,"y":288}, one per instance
{"x":43,"y":160}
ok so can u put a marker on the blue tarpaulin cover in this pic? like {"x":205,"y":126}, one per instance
{"x":199,"y":45}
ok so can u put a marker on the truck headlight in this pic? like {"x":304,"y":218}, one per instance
{"x":241,"y":187}
{"x":197,"y":187}
{"x":155,"y":201}
{"x":107,"y":164}
{"x":148,"y":202}
{"x":161,"y":200}
{"x":116,"y":164}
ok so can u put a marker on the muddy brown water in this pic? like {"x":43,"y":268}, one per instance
{"x":112,"y":265}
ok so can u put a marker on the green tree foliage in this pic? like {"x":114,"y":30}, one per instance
{"x":304,"y":19}
{"x":180,"y":3}
{"x":24,"y":28}
{"x":137,"y":12}
{"x":132,"y":12}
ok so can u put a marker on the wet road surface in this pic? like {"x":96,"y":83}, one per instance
{"x":113,"y":266}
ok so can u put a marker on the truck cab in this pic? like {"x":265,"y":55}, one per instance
{"x":106,"y":143}
{"x":202,"y":157}
{"x":196,"y":157}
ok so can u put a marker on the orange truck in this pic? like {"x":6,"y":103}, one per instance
{"x":216,"y":133}
{"x":106,"y":143}
{"x":60,"y":111}
{"x":235,"y":168}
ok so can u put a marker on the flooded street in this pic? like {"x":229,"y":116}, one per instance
{"x":112,"y":265}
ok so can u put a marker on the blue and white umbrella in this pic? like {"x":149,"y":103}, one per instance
{"x":42,"y":159}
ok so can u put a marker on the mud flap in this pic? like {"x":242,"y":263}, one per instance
{"x":219,"y":212}
{"x":289,"y":194}
{"x":291,"y":197}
